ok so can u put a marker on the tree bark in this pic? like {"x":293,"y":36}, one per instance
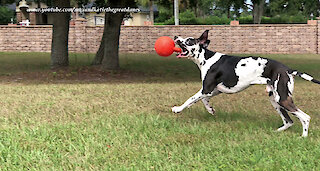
{"x":99,"y":55}
{"x":38,"y":15}
{"x":257,"y":11}
{"x":151,"y":12}
{"x":60,"y":35}
{"x":112,"y":28}
{"x":228,"y":12}
{"x":108,"y":53}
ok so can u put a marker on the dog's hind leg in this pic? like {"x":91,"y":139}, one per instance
{"x":303,"y":117}
{"x":283,"y":89}
{"x":205,"y":101}
{"x":287,"y":121}
{"x":209,"y":108}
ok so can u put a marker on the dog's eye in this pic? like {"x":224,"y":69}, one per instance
{"x":190,"y":42}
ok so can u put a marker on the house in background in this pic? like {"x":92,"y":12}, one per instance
{"x":94,"y":19}
{"x":141,"y":18}
{"x":34,"y":18}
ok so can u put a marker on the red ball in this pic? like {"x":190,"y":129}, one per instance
{"x":164,"y":46}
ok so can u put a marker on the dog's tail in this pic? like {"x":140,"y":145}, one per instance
{"x":305,"y":76}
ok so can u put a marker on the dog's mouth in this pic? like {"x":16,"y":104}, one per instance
{"x":184,"y":53}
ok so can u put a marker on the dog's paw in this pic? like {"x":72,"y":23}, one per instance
{"x":284,"y":127}
{"x":304,"y":135}
{"x":211,"y":111}
{"x":176,"y":109}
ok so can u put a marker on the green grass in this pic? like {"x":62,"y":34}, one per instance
{"x":120,"y":125}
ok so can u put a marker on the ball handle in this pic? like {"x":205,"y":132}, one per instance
{"x":176,"y":49}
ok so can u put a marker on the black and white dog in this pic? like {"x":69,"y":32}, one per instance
{"x":230,"y":74}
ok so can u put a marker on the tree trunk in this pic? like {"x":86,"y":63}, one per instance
{"x":151,"y":12}
{"x":110,"y":39}
{"x":108,"y":53}
{"x":60,"y":34}
{"x":99,"y":55}
{"x":38,"y":15}
{"x":228,"y":13}
{"x":257,"y":11}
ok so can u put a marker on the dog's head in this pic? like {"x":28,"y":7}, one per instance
{"x":190,"y":46}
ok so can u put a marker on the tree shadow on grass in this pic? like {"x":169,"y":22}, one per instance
{"x":34,"y":68}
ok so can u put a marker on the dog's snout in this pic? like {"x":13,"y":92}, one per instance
{"x":175,"y":37}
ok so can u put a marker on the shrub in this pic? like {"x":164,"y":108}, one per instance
{"x":169,"y":21}
{"x":160,"y":18}
{"x":186,"y":18}
{"x":5,"y":15}
{"x":246,"y":20}
{"x":214,"y":20}
{"x":163,"y":16}
{"x":284,"y":19}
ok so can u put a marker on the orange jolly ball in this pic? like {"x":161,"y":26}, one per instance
{"x":164,"y":46}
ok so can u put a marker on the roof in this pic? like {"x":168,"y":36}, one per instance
{"x":12,"y":6}
{"x":147,"y":10}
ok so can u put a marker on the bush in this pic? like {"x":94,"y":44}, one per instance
{"x":159,"y":24}
{"x":246,"y":20}
{"x":160,"y":18}
{"x":284,"y":19}
{"x":214,"y":20}
{"x":298,"y":19}
{"x":163,"y":16}
{"x":186,"y":18}
{"x":169,"y":21}
{"x":5,"y":15}
{"x":189,"y":18}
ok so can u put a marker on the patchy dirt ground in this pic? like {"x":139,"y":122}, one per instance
{"x":71,"y":75}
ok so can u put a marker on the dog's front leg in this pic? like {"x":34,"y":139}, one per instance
{"x":198,"y":96}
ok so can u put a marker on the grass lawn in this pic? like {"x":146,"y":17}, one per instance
{"x":86,"y":119}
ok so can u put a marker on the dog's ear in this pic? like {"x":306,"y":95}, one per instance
{"x":203,"y":39}
{"x":206,"y":44}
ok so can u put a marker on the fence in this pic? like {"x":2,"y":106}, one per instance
{"x":253,"y":39}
